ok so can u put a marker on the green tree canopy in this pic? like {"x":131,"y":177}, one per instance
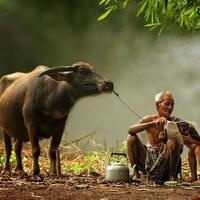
{"x":160,"y":13}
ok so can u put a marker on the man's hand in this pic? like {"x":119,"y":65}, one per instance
{"x":188,"y":140}
{"x":160,"y":122}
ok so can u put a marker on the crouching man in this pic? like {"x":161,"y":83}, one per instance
{"x":194,"y":160}
{"x":160,"y":158}
{"x":191,"y":138}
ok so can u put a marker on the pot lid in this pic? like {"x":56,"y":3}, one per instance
{"x":119,"y":164}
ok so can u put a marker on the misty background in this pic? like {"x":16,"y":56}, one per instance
{"x":140,"y":64}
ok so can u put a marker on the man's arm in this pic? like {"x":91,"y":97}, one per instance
{"x":188,"y":140}
{"x":146,"y":123}
{"x":189,"y":133}
{"x":194,"y":135}
{"x":140,"y":126}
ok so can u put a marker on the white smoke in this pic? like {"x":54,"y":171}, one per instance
{"x":140,"y":67}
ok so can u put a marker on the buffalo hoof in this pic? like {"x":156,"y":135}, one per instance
{"x":53,"y":176}
{"x":52,"y":173}
{"x":35,"y":178}
{"x":6,"y":172}
{"x":20,"y":172}
{"x":36,"y":172}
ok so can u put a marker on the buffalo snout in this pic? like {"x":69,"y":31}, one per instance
{"x":107,"y":86}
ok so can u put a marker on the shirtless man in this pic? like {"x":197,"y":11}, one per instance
{"x":156,"y":137}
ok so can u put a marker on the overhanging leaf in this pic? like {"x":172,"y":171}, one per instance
{"x":104,"y":15}
{"x":104,"y":1}
{"x":143,"y":6}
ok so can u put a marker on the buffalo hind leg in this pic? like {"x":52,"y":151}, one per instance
{"x":8,"y":149}
{"x":18,"y":150}
{"x":35,"y":149}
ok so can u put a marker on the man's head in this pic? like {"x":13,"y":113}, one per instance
{"x":164,"y":103}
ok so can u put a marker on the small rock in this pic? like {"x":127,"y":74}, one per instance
{"x":82,"y":186}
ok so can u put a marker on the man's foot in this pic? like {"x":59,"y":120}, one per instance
{"x":137,"y":175}
{"x":173,"y":178}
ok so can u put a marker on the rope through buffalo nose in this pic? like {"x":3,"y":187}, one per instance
{"x":126,"y":105}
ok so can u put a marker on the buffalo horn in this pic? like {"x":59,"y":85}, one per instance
{"x":58,"y":69}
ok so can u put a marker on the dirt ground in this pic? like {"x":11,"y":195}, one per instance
{"x":85,"y":186}
{"x":89,"y":187}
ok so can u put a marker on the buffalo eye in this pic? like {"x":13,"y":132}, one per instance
{"x":83,"y":71}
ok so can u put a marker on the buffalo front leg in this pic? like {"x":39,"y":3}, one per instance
{"x":35,"y":149}
{"x":54,"y":155}
{"x":18,"y":150}
{"x":8,"y":149}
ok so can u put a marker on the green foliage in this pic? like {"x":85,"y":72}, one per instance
{"x":123,"y":146}
{"x":2,"y":160}
{"x":12,"y":159}
{"x":111,"y":5}
{"x":152,"y":11}
{"x":90,"y":162}
{"x":161,"y":13}
{"x":187,"y":14}
{"x":76,"y":167}
{"x":95,"y":161}
{"x":117,"y":158}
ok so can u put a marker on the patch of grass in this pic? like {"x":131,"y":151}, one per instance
{"x":92,"y":162}
{"x":12,"y":159}
{"x":75,"y":160}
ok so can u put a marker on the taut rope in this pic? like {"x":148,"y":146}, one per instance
{"x":129,"y":108}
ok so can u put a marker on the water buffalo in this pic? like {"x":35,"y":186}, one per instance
{"x":36,"y":105}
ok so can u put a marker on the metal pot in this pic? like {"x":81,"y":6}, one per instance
{"x":118,"y":171}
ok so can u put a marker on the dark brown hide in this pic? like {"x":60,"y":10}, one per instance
{"x":36,"y":105}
